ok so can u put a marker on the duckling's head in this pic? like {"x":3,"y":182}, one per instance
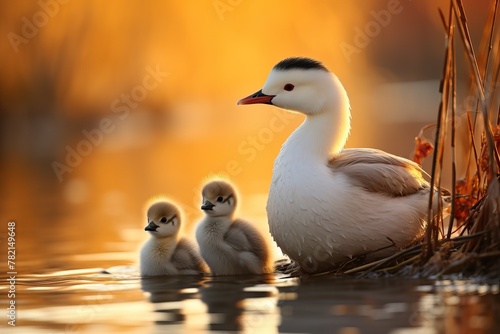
{"x":219,"y":199}
{"x":300,"y":84}
{"x":164,"y":219}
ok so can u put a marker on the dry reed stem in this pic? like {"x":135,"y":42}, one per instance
{"x":431,"y":233}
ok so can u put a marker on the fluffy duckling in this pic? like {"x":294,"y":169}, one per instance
{"x":229,"y":246}
{"x":165,"y":253}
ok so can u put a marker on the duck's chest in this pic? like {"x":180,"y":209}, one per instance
{"x":211,"y":233}
{"x":304,"y":198}
{"x":163,"y":250}
{"x":298,"y":186}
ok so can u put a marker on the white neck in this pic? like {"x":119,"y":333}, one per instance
{"x":320,"y":135}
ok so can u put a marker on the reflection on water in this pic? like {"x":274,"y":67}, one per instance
{"x":119,"y":301}
{"x":218,"y":304}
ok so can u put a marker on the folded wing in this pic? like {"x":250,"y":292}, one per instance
{"x":243,"y":237}
{"x":380,"y":172}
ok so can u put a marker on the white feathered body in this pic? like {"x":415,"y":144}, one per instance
{"x":319,"y":217}
{"x":322,"y":220}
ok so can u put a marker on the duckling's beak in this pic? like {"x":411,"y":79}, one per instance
{"x":151,"y":227}
{"x":258,"y":97}
{"x":207,"y":205}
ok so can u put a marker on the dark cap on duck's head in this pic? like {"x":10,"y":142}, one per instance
{"x":300,"y":63}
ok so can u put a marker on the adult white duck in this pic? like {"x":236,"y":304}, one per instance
{"x":327,"y":204}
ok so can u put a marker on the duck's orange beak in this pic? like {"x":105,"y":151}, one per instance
{"x":258,"y":97}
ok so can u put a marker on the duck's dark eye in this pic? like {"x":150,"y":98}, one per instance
{"x":289,"y":87}
{"x":220,"y":199}
{"x":163,"y":219}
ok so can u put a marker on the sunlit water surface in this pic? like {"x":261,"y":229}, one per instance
{"x":119,"y":301}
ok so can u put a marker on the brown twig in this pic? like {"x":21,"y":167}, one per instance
{"x":453,"y":148}
{"x":437,"y":156}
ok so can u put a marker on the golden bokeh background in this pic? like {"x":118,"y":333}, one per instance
{"x":164,"y":77}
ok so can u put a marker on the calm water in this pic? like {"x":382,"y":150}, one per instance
{"x":68,"y":233}
{"x":90,"y":301}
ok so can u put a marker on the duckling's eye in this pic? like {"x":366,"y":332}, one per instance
{"x":289,"y":87}
{"x":163,"y":219}
{"x":220,"y":199}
